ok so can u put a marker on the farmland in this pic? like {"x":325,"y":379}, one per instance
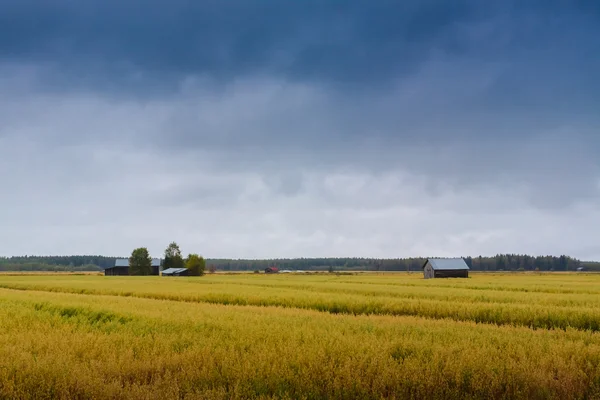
{"x":300,"y":336}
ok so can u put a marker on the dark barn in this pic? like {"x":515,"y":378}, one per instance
{"x":445,"y":268}
{"x":116,"y":270}
{"x":271,"y":270}
{"x":122,"y":267}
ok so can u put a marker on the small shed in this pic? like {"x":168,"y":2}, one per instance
{"x":445,"y":268}
{"x":121,"y":267}
{"x":175,"y":272}
{"x":271,"y":270}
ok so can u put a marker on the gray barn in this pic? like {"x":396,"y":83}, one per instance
{"x":445,"y":268}
{"x":175,"y":272}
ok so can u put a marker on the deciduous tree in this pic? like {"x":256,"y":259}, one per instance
{"x":140,"y":262}
{"x":173,"y":257}
{"x":195,"y":265}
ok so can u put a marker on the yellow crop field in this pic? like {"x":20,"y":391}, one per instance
{"x":304,"y":336}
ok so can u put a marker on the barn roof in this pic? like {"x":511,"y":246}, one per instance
{"x":170,"y":271}
{"x":124,"y":262}
{"x":447,"y":263}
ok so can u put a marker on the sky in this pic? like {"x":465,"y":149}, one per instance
{"x":271,"y":129}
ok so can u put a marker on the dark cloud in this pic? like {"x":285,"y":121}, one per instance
{"x":149,"y":45}
{"x":225,"y":39}
{"x":300,"y":128}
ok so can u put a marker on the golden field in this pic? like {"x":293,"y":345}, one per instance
{"x":300,"y":336}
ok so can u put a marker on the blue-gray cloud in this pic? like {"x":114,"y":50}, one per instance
{"x":347,"y":41}
{"x":152,"y":44}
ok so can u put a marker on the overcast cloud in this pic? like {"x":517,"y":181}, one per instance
{"x":300,"y":129}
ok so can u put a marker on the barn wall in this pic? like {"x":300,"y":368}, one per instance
{"x":428,"y":271}
{"x":116,"y":271}
{"x":457,"y":273}
{"x":122,"y":271}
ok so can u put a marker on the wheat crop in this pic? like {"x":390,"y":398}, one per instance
{"x":300,"y":336}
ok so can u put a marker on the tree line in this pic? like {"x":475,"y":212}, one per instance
{"x":56,"y":263}
{"x":500,"y":262}
{"x":174,"y":259}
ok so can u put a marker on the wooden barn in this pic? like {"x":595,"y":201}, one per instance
{"x":121,"y":267}
{"x":445,"y":268}
{"x":271,"y":270}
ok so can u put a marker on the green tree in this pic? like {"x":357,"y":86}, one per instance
{"x":195,"y":265}
{"x":140,"y":262}
{"x":173,"y":257}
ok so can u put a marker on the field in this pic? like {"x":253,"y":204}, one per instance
{"x":300,"y":336}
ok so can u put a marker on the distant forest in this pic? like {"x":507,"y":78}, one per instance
{"x":56,"y":263}
{"x":501,"y":262}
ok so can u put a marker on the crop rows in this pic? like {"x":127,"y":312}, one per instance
{"x":56,"y":345}
{"x":257,"y":336}
{"x":547,"y":310}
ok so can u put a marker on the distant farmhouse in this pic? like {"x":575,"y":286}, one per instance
{"x":271,"y":270}
{"x":122,"y":267}
{"x":445,"y":268}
